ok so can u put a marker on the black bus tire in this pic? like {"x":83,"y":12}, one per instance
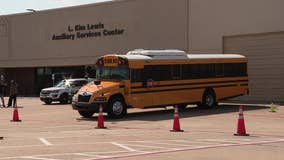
{"x":208,"y":100}
{"x":116,"y":108}
{"x":86,"y":114}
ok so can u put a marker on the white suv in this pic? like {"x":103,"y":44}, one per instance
{"x":63,"y":91}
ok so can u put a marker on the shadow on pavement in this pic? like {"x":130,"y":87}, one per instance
{"x":56,"y":104}
{"x":166,"y":114}
{"x":12,"y":107}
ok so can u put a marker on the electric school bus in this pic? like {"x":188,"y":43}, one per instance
{"x":159,"y":78}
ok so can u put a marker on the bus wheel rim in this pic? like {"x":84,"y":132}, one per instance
{"x":209,"y":100}
{"x":117,"y":108}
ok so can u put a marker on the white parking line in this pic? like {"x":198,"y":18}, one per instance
{"x":44,"y":141}
{"x":233,"y":141}
{"x":123,"y":146}
{"x":23,"y":146}
{"x":193,"y":142}
{"x":65,"y":144}
{"x":37,"y":158}
{"x":137,"y":145}
{"x":170,"y":144}
{"x":151,"y":142}
{"x":89,"y":155}
{"x":66,"y":126}
{"x":188,"y":149}
{"x":66,"y":154}
{"x":131,"y":153}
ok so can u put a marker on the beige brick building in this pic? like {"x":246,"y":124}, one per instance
{"x":66,"y":41}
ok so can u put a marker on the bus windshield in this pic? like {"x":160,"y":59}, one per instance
{"x":112,"y":73}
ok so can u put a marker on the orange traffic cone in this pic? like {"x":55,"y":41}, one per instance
{"x":241,"y":131}
{"x":176,"y":125}
{"x":16,"y":113}
{"x":101,"y":119}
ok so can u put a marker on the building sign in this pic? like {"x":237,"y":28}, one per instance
{"x":80,"y":31}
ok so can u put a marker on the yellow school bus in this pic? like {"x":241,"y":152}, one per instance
{"x":159,"y":78}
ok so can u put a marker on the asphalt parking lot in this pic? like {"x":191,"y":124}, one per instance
{"x":56,"y":132}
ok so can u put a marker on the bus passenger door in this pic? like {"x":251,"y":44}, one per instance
{"x":141,"y":95}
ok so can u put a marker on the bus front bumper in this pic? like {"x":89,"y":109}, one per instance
{"x":94,"y":107}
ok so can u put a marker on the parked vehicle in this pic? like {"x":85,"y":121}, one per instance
{"x":63,"y":91}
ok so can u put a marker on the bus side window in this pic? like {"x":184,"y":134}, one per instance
{"x":176,"y":71}
{"x":195,"y":71}
{"x":161,"y":73}
{"x":207,"y":71}
{"x":240,"y":69}
{"x":235,"y":69}
{"x":219,"y":70}
{"x":186,"y":73}
{"x":243,"y":68}
{"x":146,"y":74}
{"x":136,"y":75}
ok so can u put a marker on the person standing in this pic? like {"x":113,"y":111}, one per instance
{"x":13,"y":93}
{"x":2,"y":90}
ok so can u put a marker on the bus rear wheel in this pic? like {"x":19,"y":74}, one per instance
{"x":116,"y":108}
{"x":208,"y":100}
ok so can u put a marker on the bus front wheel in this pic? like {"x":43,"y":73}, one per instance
{"x":208,"y":100}
{"x":117,"y":108}
{"x":86,"y":114}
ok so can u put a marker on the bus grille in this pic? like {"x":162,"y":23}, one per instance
{"x":82,"y":98}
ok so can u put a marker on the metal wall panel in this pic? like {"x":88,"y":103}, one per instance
{"x":266,"y":64}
